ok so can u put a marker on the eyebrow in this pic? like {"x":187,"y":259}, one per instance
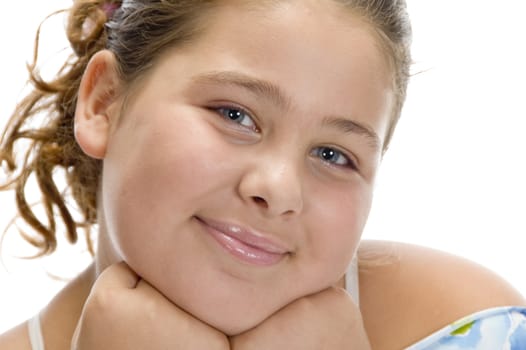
{"x":349,"y":126}
{"x":274,"y":93}
{"x":256,"y":86}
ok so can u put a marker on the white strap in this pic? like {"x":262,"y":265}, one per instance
{"x":35,"y":333}
{"x":351,"y":280}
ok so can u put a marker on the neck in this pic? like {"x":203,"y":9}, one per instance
{"x":60,"y":317}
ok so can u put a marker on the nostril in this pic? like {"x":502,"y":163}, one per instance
{"x":260,"y":201}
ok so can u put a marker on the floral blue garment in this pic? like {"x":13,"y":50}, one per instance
{"x":502,"y":328}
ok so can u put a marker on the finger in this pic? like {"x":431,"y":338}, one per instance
{"x":146,"y":290}
{"x":335,"y":297}
{"x":166,"y":307}
{"x":118,"y":275}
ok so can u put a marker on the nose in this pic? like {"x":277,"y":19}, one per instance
{"x":273,"y":186}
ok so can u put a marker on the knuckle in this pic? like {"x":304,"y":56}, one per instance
{"x":219,"y":342}
{"x":151,"y":309}
{"x":304,"y":305}
{"x":337,"y":296}
{"x":336,"y":301}
{"x":101,"y":300}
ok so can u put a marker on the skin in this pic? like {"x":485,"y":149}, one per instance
{"x":393,"y":296}
{"x":172,"y":154}
{"x":169,"y":152}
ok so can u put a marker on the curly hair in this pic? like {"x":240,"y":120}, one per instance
{"x":137,"y":32}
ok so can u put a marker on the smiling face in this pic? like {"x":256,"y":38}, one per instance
{"x":239,"y":176}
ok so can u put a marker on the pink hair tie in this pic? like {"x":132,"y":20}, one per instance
{"x":109,"y":9}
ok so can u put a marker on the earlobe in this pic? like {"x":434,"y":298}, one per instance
{"x":97,"y":93}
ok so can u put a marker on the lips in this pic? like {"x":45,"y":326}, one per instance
{"x":249,"y":246}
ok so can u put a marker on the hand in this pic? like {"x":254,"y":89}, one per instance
{"x":326,"y":320}
{"x":125,"y":312}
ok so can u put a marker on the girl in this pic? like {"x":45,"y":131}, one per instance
{"x":227,"y":151}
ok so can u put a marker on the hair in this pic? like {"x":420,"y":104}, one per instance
{"x":137,"y":32}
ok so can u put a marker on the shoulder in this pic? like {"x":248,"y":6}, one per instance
{"x":407,"y":292}
{"x":16,"y":338}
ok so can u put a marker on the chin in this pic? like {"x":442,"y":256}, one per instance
{"x":232,"y":321}
{"x":233,"y":315}
{"x":235,"y":328}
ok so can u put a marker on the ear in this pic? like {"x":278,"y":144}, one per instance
{"x":97,"y":94}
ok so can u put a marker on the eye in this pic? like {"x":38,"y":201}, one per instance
{"x":333,"y":157}
{"x":237,"y":115}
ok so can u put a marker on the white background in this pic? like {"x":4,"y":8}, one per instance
{"x":453,"y":179}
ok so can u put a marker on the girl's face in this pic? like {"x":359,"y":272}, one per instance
{"x":240,"y":175}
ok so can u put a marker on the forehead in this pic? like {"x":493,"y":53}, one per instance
{"x":331,"y":21}
{"x":324,"y":58}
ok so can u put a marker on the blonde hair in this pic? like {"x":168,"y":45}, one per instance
{"x":137,"y":32}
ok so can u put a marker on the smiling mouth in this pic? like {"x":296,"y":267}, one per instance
{"x":247,"y":246}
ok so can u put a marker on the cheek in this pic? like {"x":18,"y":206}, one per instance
{"x":337,"y":224}
{"x":155,"y":178}
{"x":344,"y":209}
